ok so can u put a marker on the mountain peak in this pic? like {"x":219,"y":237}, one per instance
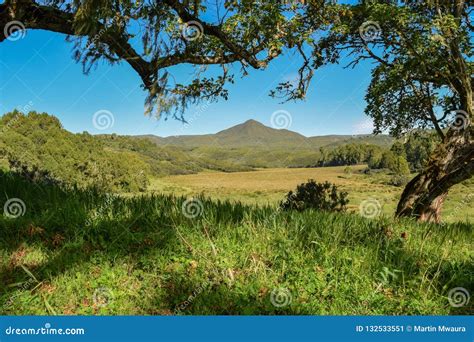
{"x":252,"y":122}
{"x":252,"y":132}
{"x":248,"y":128}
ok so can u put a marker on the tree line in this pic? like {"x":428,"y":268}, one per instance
{"x":402,"y":157}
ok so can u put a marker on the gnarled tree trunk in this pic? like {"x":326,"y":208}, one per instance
{"x":450,"y":164}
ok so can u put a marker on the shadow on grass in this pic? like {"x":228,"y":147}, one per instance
{"x":72,"y":224}
{"x":447,"y":276}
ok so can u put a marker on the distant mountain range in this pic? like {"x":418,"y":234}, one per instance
{"x":252,"y":133}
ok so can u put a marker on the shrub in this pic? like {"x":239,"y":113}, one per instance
{"x":321,"y":196}
{"x":398,"y":180}
{"x":401,"y":167}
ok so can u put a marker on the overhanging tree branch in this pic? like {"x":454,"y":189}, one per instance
{"x":110,"y":39}
{"x":38,"y":17}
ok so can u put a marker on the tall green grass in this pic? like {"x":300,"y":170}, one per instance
{"x":85,"y":252}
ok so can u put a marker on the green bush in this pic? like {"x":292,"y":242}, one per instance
{"x":313,"y":195}
{"x":398,"y":180}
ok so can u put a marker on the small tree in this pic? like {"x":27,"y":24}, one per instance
{"x":313,"y":195}
{"x":401,"y":167}
{"x":374,"y":159}
{"x":388,"y":161}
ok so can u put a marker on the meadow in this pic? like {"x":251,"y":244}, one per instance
{"x":269,"y":186}
{"x":73,"y":251}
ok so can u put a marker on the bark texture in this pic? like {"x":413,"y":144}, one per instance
{"x":451,"y":163}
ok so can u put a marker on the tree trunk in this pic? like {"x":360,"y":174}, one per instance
{"x":450,"y":164}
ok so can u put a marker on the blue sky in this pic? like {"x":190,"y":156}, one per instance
{"x":37,"y":72}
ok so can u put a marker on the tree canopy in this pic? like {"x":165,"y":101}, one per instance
{"x":421,"y":52}
{"x":422,"y":77}
{"x":152,"y":36}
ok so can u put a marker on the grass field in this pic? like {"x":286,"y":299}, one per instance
{"x":269,"y":186}
{"x":85,"y":252}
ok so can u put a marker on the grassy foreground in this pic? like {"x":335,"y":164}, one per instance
{"x":83,"y":252}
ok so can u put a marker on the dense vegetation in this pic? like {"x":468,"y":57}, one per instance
{"x":79,"y":250}
{"x":37,"y":143}
{"x":85,"y":252}
{"x":313,"y":195}
{"x":421,"y":54}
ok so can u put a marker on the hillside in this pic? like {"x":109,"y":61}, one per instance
{"x":38,"y":146}
{"x":255,"y":134}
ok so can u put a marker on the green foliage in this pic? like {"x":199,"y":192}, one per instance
{"x":404,"y":157}
{"x":154,"y":36}
{"x":38,"y":146}
{"x":419,"y":49}
{"x":170,"y":160}
{"x":313,"y":195}
{"x":398,"y":148}
{"x":349,"y":154}
{"x":401,"y":166}
{"x":374,"y":159}
{"x":398,"y":180}
{"x":418,"y":148}
{"x":395,"y":162}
